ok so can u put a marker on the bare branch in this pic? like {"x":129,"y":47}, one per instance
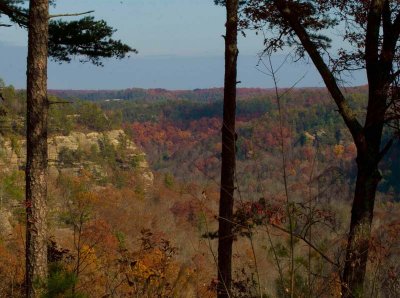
{"x":385,"y":150}
{"x":316,"y":249}
{"x":59,"y":102}
{"x":70,"y":14}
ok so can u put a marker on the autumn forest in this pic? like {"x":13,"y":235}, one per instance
{"x":214,"y":192}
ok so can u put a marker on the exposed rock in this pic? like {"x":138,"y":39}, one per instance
{"x":12,"y":158}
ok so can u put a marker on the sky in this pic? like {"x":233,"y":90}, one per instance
{"x":180,"y":46}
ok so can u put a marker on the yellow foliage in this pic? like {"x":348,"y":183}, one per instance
{"x":88,"y":254}
{"x":338,"y":150}
{"x":87,"y":197}
{"x":292,"y":171}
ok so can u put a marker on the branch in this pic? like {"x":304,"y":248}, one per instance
{"x":309,"y":244}
{"x":389,"y":41}
{"x":14,"y":14}
{"x":345,"y":110}
{"x":392,"y":118}
{"x":396,"y":27}
{"x":59,"y":102}
{"x":294,"y":235}
{"x":70,"y":14}
{"x":393,"y":76}
{"x":372,"y":38}
{"x":386,"y":19}
{"x":385,"y":150}
{"x":10,"y":10}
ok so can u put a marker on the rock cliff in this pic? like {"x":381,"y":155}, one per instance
{"x":13,"y":152}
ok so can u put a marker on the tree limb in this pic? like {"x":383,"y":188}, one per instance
{"x":70,"y":14}
{"x":14,"y":14}
{"x":316,"y":249}
{"x":385,"y":150}
{"x":59,"y":102}
{"x":396,"y":27}
{"x":372,"y":38}
{"x":326,"y":74}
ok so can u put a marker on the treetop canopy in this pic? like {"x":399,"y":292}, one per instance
{"x":86,"y":38}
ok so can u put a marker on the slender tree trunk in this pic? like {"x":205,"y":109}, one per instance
{"x":36,"y":165}
{"x":225,"y":236}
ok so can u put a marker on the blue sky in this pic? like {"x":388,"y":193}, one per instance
{"x":157,"y":27}
{"x":179,"y":43}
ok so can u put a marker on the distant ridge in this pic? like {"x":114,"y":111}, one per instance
{"x":211,"y":94}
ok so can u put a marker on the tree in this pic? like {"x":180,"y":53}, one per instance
{"x":86,"y":38}
{"x":36,"y":163}
{"x":371,"y":32}
{"x":225,"y":233}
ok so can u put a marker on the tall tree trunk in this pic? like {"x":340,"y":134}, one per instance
{"x":225,"y":236}
{"x":368,"y":178}
{"x":36,"y":164}
{"x":360,"y":232}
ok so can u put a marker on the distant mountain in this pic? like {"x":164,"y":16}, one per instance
{"x":206,"y":95}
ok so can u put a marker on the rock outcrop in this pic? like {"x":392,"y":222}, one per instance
{"x":13,"y":152}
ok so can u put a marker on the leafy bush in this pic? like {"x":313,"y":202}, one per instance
{"x":69,"y":157}
{"x":61,"y":119}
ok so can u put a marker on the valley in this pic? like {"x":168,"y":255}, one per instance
{"x":134,"y":189}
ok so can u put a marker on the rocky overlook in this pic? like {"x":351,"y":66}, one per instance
{"x":63,"y":149}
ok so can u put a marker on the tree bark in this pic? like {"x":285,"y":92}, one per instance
{"x":360,"y":232}
{"x":368,"y":178}
{"x":36,"y":164}
{"x":225,"y":236}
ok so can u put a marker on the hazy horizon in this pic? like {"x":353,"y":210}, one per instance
{"x":178,"y":50}
{"x":172,"y":72}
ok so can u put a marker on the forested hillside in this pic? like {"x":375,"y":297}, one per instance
{"x":181,"y":134}
{"x":102,"y":192}
{"x":222,"y":192}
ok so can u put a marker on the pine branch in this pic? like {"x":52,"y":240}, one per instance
{"x":70,"y":14}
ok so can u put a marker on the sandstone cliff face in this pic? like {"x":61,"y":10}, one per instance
{"x":13,"y":157}
{"x":13,"y":152}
